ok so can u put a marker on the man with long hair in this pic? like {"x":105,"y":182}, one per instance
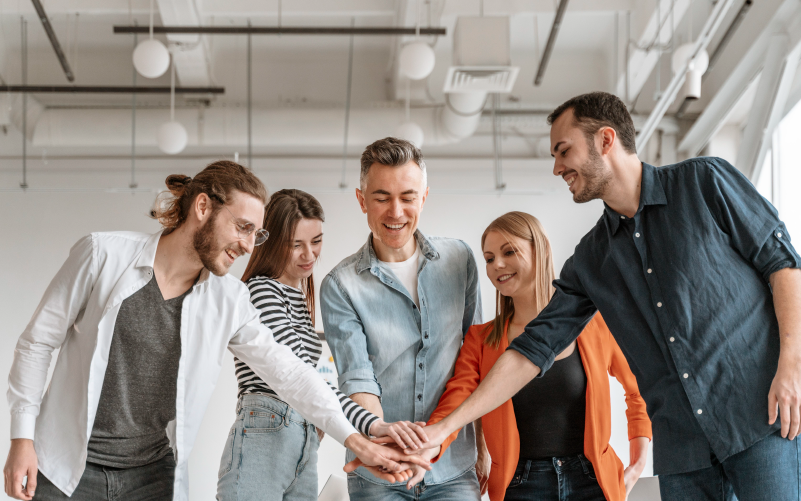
{"x":142,"y":322}
{"x":696,"y":277}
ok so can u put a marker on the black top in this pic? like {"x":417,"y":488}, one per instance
{"x":683,"y":287}
{"x":550,"y":411}
{"x":140,"y":384}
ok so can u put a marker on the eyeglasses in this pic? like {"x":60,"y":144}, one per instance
{"x":245,"y":229}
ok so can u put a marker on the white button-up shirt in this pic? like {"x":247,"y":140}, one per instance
{"x":78,"y":313}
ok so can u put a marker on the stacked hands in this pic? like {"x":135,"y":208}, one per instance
{"x":406,"y":452}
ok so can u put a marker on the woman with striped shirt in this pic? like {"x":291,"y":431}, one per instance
{"x":271,"y":451}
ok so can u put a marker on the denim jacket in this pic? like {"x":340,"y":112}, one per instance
{"x":385,"y":345}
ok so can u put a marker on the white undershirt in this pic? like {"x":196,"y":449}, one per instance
{"x":406,"y":273}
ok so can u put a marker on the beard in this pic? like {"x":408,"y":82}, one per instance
{"x":596,"y":177}
{"x":208,"y":247}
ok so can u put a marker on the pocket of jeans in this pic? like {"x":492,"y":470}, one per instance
{"x":516,"y":480}
{"x":262,"y":422}
{"x":228,"y":454}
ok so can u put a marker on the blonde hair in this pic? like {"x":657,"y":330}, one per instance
{"x":527,"y":227}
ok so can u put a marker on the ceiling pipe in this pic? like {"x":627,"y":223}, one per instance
{"x":65,"y":65}
{"x":546,"y":55}
{"x":710,"y":27}
{"x":282,"y":30}
{"x":284,"y":128}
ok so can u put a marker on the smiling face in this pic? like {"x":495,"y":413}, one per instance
{"x":510,"y":263}
{"x":393,"y":198}
{"x":217,"y":240}
{"x":306,"y":244}
{"x":577,"y":160}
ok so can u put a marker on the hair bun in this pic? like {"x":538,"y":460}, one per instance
{"x":176,"y":183}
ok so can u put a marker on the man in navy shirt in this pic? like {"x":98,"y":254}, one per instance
{"x":695,"y":275}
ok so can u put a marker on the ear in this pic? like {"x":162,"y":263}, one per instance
{"x":608,"y":139}
{"x":423,"y":199}
{"x":360,"y":198}
{"x":202,"y":208}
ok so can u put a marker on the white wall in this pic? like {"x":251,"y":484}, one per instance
{"x":39,"y":228}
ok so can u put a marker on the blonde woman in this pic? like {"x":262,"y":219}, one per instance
{"x":551,"y":440}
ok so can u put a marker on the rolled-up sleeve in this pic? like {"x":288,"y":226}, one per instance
{"x":751,"y":221}
{"x":558,"y":324}
{"x":345,"y":335}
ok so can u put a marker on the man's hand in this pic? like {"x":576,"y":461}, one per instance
{"x":404,"y":433}
{"x":785,"y":396}
{"x":392,"y":460}
{"x":638,"y":448}
{"x":21,"y":462}
{"x":417,"y":472}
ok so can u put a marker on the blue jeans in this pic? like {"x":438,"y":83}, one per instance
{"x":462,"y":488}
{"x":151,"y":482}
{"x":769,"y":470}
{"x":570,"y":478}
{"x":270,"y":454}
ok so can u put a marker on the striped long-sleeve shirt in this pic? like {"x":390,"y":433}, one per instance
{"x":283,"y":309}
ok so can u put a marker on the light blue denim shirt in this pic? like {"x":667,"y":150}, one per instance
{"x":385,"y":345}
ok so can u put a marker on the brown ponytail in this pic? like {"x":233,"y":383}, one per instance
{"x":218,"y":180}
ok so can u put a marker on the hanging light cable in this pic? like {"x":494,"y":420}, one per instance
{"x":172,"y":135}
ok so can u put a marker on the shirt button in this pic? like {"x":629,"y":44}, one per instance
{"x":637,"y":235}
{"x":426,"y":335}
{"x":421,"y":366}
{"x":686,"y":375}
{"x":420,"y":397}
{"x":658,"y":305}
{"x":779,"y":234}
{"x":622,"y":217}
{"x":672,"y":339}
{"x":559,"y":463}
{"x":650,"y":270}
{"x":700,"y":411}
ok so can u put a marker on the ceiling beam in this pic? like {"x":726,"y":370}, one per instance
{"x":713,"y":118}
{"x":282,"y":30}
{"x":108,"y":89}
{"x":781,"y":62}
{"x":65,"y":65}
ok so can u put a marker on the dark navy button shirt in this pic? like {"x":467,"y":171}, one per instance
{"x":684,"y":288}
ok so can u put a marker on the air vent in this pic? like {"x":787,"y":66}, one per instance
{"x":493,"y":79}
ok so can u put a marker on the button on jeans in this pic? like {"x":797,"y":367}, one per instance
{"x":151,"y":482}
{"x":270,"y":454}
{"x":570,"y":478}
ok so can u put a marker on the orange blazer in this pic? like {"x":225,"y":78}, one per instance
{"x":599,"y":354}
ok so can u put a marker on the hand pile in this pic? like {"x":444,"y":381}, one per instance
{"x":414,"y":442}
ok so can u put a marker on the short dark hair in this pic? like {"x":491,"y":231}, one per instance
{"x":392,"y":152}
{"x":600,"y":109}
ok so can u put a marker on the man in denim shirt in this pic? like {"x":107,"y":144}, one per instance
{"x":696,"y":277}
{"x":395,"y":314}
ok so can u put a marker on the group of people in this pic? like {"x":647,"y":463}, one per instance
{"x":687,"y":290}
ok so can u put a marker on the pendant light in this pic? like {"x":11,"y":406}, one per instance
{"x":172,"y":135}
{"x":151,"y":58}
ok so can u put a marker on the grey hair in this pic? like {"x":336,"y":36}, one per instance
{"x":392,"y":152}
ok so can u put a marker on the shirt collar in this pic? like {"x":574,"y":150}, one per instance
{"x":651,"y":193}
{"x":367,"y":257}
{"x":148,"y":257}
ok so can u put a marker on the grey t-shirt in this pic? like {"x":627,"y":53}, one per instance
{"x":139,"y":389}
